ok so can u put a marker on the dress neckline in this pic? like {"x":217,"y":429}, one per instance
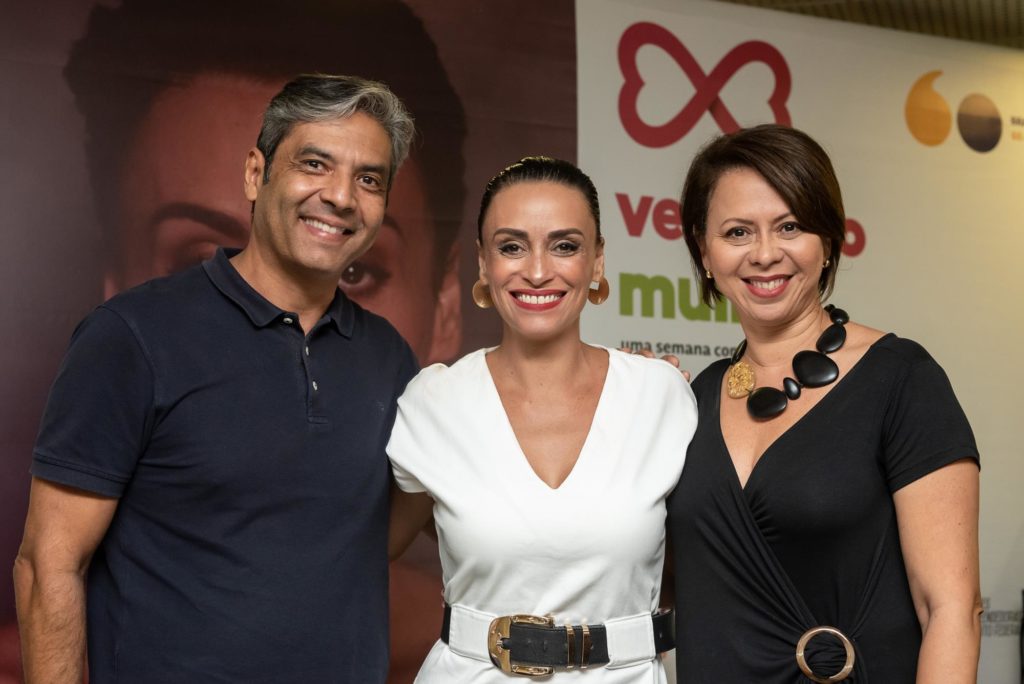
{"x":799,"y":422}
{"x":599,"y":409}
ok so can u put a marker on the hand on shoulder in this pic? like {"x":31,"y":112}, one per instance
{"x":670,"y":359}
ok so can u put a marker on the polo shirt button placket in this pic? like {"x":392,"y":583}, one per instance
{"x":290,"y":320}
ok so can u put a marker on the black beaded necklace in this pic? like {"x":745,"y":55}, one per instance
{"x":811,"y":368}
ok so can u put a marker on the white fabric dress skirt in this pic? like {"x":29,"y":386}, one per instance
{"x":590,"y":551}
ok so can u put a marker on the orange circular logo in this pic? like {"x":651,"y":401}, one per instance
{"x":929,"y":119}
{"x":928,"y":115}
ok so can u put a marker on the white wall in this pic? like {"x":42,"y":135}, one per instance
{"x":944,"y":224}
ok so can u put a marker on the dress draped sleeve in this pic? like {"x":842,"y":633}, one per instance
{"x":925,"y":428}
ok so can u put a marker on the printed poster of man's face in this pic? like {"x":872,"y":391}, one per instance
{"x":158,"y":103}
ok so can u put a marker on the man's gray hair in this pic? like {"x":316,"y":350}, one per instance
{"x":320,"y":97}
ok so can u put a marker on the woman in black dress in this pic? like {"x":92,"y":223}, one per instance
{"x":825,"y":526}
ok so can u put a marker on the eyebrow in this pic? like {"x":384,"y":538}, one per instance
{"x":316,"y":151}
{"x":553,"y":235}
{"x":381,"y":169}
{"x":565,"y":232}
{"x":748,"y":222}
{"x":218,"y":220}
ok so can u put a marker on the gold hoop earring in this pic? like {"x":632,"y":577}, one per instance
{"x":599,"y":295}
{"x":708,"y":274}
{"x":482,"y":295}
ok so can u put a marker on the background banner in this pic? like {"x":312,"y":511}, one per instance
{"x":926,"y":136}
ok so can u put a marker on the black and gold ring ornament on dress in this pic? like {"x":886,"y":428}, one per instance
{"x":811,"y":368}
{"x":801,"y":661}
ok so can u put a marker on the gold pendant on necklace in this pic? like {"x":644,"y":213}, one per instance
{"x":740,"y":380}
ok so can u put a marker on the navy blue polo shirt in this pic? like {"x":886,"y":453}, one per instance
{"x":249,"y":542}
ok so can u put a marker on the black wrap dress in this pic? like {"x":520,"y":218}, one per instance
{"x":812,"y":539}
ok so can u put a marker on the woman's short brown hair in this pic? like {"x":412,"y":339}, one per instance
{"x":793,"y":164}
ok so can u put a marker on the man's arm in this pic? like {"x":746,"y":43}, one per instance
{"x":410,"y":513}
{"x":62,"y":529}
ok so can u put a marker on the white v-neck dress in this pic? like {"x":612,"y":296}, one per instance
{"x":590,"y":550}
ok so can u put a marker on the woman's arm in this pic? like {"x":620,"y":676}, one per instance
{"x":409,"y":513}
{"x":938,"y":523}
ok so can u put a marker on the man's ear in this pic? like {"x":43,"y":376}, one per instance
{"x":447,"y":338}
{"x":253,"y":174}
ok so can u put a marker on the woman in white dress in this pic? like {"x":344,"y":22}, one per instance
{"x":545,"y":461}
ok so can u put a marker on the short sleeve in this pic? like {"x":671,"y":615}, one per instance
{"x":416,"y":430}
{"x":925,"y":428}
{"x":99,"y":413}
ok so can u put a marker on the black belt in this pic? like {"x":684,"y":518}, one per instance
{"x":526,"y":644}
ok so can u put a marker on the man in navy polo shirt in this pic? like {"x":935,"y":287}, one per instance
{"x":209,"y":498}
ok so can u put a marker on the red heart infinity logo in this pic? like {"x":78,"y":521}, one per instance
{"x":708,"y":86}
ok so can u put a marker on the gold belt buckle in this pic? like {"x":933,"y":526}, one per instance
{"x":502,"y":657}
{"x":805,"y":668}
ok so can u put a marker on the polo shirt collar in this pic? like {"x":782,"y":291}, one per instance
{"x":261,"y":312}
